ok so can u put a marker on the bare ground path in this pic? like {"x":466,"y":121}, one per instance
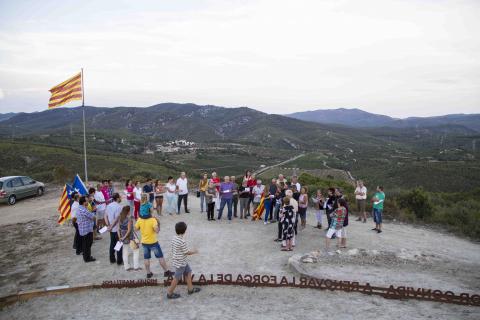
{"x":39,"y":253}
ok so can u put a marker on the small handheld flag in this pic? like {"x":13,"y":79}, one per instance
{"x":64,"y":206}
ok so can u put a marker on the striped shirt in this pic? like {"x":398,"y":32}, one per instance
{"x":179,"y":252}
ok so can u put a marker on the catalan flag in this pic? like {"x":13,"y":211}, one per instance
{"x":257,"y":215}
{"x":66,"y":91}
{"x":64,"y":207}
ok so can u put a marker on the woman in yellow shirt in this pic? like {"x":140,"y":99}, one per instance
{"x":149,"y":228}
{"x":202,"y":188}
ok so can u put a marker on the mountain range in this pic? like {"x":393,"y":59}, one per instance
{"x":6,"y":116}
{"x":439,"y":153}
{"x":361,"y":119}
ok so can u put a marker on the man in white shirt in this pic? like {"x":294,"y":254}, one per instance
{"x":101,"y":205}
{"x":296,"y":183}
{"x":182,"y":186}
{"x":361,"y":197}
{"x":281,"y":179}
{"x":257,"y":192}
{"x":111,"y":219}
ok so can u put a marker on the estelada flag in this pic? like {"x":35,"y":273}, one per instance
{"x":257,"y":215}
{"x":64,"y":207}
{"x":66,"y":91}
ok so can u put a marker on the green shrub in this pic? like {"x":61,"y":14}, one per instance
{"x":418,"y":202}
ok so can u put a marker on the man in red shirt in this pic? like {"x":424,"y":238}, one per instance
{"x":215,"y":180}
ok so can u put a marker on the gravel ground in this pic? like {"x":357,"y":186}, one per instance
{"x":39,"y":254}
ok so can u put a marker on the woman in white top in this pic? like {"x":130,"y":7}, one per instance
{"x":137,"y":196}
{"x":171,"y":196}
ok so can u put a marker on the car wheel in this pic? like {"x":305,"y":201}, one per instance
{"x":40,"y":191}
{"x":12,"y":199}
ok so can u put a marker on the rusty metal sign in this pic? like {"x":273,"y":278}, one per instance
{"x":256,"y":280}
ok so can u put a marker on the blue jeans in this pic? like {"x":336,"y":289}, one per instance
{"x":268,"y":205}
{"x":377,"y":215}
{"x":229,"y":206}
{"x":155,"y":247}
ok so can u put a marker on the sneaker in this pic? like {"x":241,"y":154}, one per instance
{"x":379,"y":231}
{"x":91,"y":259}
{"x":374,"y":229}
{"x":187,"y":211}
{"x":149,"y":275}
{"x":364,"y":220}
{"x":168,"y":273}
{"x":173,"y":296}
{"x":265,"y":222}
{"x":194,"y":290}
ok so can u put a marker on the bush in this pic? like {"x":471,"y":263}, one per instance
{"x":61,"y":174}
{"x":418,"y":202}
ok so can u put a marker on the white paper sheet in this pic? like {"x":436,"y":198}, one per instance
{"x":103,"y":230}
{"x":118,"y":246}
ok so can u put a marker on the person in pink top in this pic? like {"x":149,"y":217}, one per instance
{"x":130,"y":196}
{"x":105,"y":191}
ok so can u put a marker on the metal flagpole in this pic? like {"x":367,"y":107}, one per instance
{"x":84,"y":134}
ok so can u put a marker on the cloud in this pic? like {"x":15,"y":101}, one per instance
{"x":393,"y":57}
{"x":2,"y":94}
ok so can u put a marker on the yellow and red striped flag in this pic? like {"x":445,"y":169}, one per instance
{"x":64,"y":206}
{"x":257,"y":215}
{"x":66,"y":91}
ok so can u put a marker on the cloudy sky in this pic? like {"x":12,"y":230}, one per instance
{"x":401,"y":58}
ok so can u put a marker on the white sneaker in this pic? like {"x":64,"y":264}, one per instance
{"x":265,"y":222}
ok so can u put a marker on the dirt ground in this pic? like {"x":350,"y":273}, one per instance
{"x":36,"y":252}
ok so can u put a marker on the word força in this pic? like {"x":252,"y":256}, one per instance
{"x":256,"y":280}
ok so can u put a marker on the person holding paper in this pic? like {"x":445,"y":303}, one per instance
{"x":127,"y":237}
{"x":226,"y":197}
{"x":378,"y":200}
{"x":111,"y":219}
{"x":244,"y":197}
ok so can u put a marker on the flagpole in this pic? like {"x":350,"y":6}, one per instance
{"x":84,"y":134}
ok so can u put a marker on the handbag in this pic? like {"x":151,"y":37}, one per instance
{"x":134,"y":242}
{"x":198,"y":194}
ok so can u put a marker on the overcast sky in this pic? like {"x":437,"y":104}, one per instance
{"x":400,"y":58}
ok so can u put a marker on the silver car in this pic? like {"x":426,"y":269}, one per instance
{"x":17,"y":187}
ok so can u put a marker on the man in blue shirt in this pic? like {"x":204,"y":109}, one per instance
{"x":85,"y":221}
{"x":148,"y":189}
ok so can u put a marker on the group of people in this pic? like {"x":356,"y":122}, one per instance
{"x":94,"y":213}
{"x":137,"y":223}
